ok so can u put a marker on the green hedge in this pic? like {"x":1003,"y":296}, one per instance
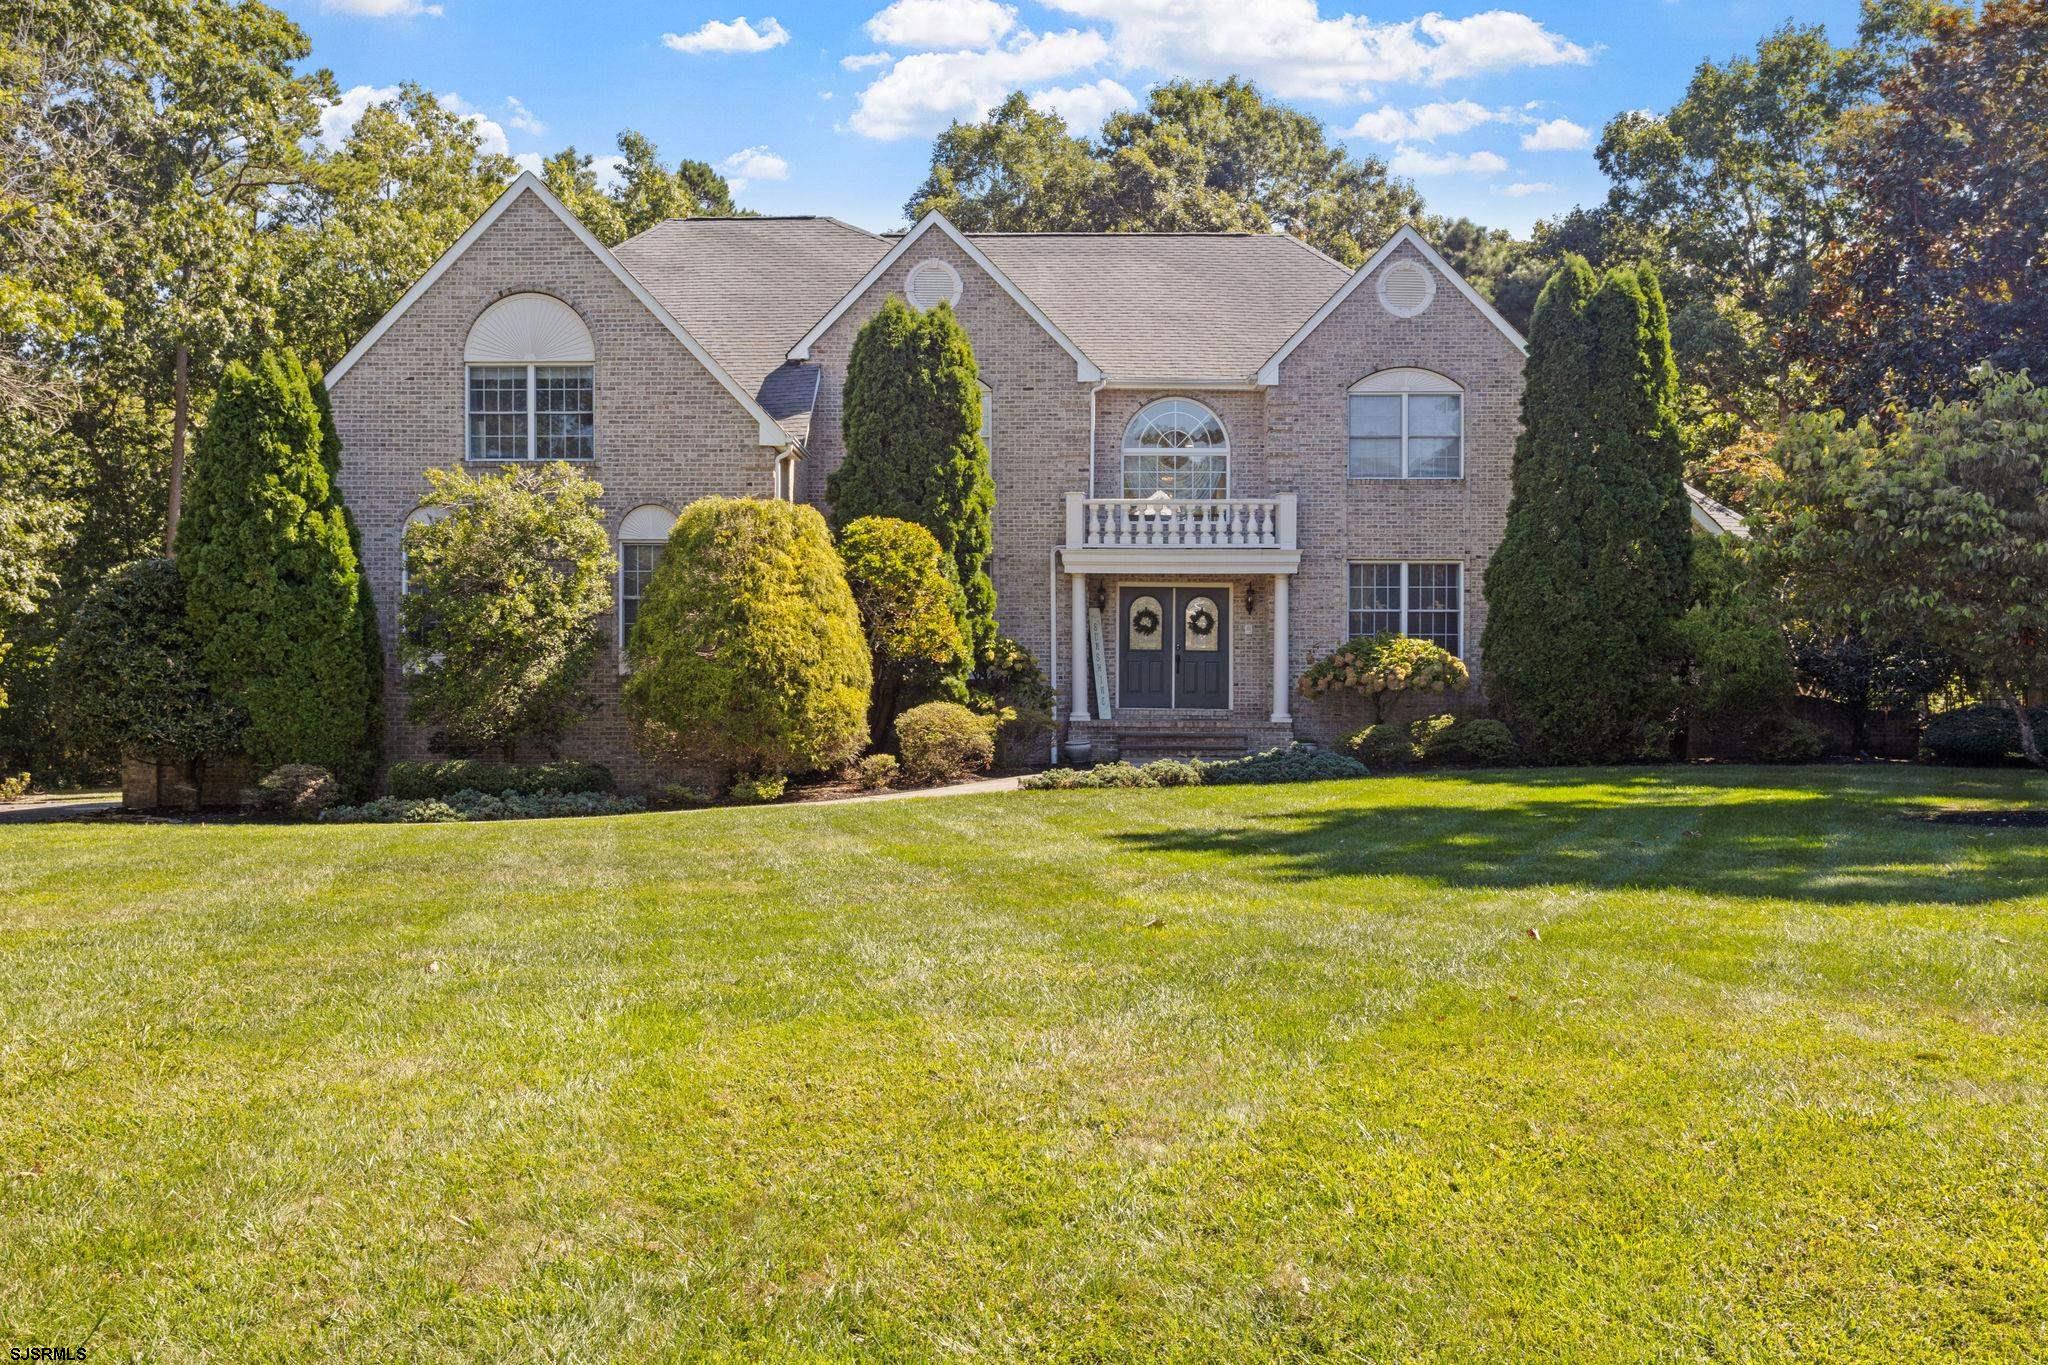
{"x":1979,"y":736}
{"x":417,"y":781}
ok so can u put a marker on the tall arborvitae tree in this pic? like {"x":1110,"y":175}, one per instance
{"x":912,"y":425}
{"x":1585,"y":591}
{"x":367,"y":627}
{"x":272,"y":584}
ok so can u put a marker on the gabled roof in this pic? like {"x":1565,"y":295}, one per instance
{"x":1175,"y":308}
{"x":748,"y":288}
{"x":526,"y":182}
{"x":1269,"y":373}
{"x":1084,"y":368}
{"x":1715,"y":518}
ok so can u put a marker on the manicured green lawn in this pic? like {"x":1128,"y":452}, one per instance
{"x":1679,"y":1064}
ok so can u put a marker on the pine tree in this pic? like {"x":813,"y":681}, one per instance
{"x":912,"y":426}
{"x":1584,"y":594}
{"x":273,"y":587}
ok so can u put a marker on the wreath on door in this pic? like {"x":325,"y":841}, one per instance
{"x":1201,"y":621}
{"x":1145,"y":621}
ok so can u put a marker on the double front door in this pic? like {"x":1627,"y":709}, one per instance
{"x":1173,"y":648}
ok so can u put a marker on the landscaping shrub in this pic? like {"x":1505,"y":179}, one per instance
{"x":1008,"y":682}
{"x":1382,"y":746}
{"x":14,"y":786}
{"x":758,"y":789}
{"x":1779,"y":737}
{"x":1294,"y":763}
{"x":1977,"y":736}
{"x":507,"y":598}
{"x":680,"y":796}
{"x":1118,"y":774}
{"x":748,"y":653}
{"x":1381,"y":668}
{"x":941,"y":739}
{"x":132,"y":681}
{"x":910,"y":613}
{"x":474,"y":805}
{"x":272,"y":584}
{"x":875,"y":772}
{"x":298,"y":790}
{"x":1171,"y":772}
{"x":1466,"y":742}
{"x":413,"y":781}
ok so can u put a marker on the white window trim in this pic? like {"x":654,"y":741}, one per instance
{"x":1408,"y":388}
{"x":619,"y":579}
{"x":988,"y":420}
{"x":1125,"y":449}
{"x":1464,"y":578}
{"x":928,"y":266}
{"x":533,"y":368}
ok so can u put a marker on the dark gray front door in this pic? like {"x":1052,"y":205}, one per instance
{"x":1173,"y":648}
{"x":1201,"y":649}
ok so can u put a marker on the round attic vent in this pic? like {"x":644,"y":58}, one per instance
{"x":931,"y":283}
{"x":1406,"y":288}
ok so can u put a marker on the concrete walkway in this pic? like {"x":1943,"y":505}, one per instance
{"x":987,"y":784}
{"x":33,"y":810}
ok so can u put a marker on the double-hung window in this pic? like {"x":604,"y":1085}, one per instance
{"x":643,"y":535}
{"x":1423,"y":599}
{"x":1407,"y":424}
{"x":531,"y":382}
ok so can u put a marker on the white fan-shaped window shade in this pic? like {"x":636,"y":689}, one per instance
{"x":1406,"y":288}
{"x":647,"y":523}
{"x":528,"y":329}
{"x":931,"y":283}
{"x":1406,"y":381}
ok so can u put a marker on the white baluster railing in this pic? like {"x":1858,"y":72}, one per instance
{"x":1181,"y":523}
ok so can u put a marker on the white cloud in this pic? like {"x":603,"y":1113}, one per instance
{"x":927,"y":25}
{"x":1084,"y":107}
{"x":923,"y":91}
{"x":529,"y":161}
{"x":1522,"y":189}
{"x":381,"y":9}
{"x":755,"y":163}
{"x":610,"y":171}
{"x":1295,"y":52}
{"x":861,"y":61}
{"x":339,"y":117}
{"x":1557,"y":135}
{"x":1425,"y":123}
{"x":1411,"y":161}
{"x":522,"y":118}
{"x":738,"y":35}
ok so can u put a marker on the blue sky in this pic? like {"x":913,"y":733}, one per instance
{"x":830,"y":107}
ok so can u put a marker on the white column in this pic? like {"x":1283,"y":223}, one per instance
{"x":1080,"y":645}
{"x":1282,"y":683}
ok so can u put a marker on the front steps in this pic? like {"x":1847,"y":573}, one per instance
{"x":1141,"y":740}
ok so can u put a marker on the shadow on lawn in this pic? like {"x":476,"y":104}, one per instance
{"x":1845,"y":843}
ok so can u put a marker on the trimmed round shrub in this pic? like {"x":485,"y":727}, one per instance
{"x":1781,"y":738}
{"x":910,"y":611}
{"x":875,"y":772}
{"x":132,"y":679}
{"x":758,"y":789}
{"x":416,"y":781}
{"x":1382,"y":746}
{"x":1382,"y":667}
{"x":1978,"y":736}
{"x":941,"y":739}
{"x":298,"y":790}
{"x":748,"y":653}
{"x":1460,"y":742}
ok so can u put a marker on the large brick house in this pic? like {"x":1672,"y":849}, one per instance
{"x":1216,"y":456}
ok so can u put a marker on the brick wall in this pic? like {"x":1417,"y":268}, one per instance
{"x":667,"y":432}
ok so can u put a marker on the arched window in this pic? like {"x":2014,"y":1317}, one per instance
{"x":1407,"y":424}
{"x":422,"y":516}
{"x":1177,"y":447}
{"x":988,"y":419}
{"x":643,"y":535}
{"x":531,"y":380}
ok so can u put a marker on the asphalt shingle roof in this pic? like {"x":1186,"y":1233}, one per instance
{"x":749,"y":288}
{"x":1171,"y":306}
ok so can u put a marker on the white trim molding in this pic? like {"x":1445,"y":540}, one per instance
{"x":526,"y":182}
{"x":1269,"y":373}
{"x":1085,"y":370}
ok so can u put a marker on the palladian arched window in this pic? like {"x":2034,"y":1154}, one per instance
{"x":1177,"y":447}
{"x":531,"y":379}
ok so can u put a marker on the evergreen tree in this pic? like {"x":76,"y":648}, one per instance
{"x":272,"y":583}
{"x":366,"y":606}
{"x":912,"y":425}
{"x":1585,"y":591}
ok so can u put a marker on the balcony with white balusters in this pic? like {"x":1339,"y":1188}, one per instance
{"x":1180,"y":535}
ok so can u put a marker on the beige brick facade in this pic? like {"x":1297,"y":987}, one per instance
{"x":668,"y":433}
